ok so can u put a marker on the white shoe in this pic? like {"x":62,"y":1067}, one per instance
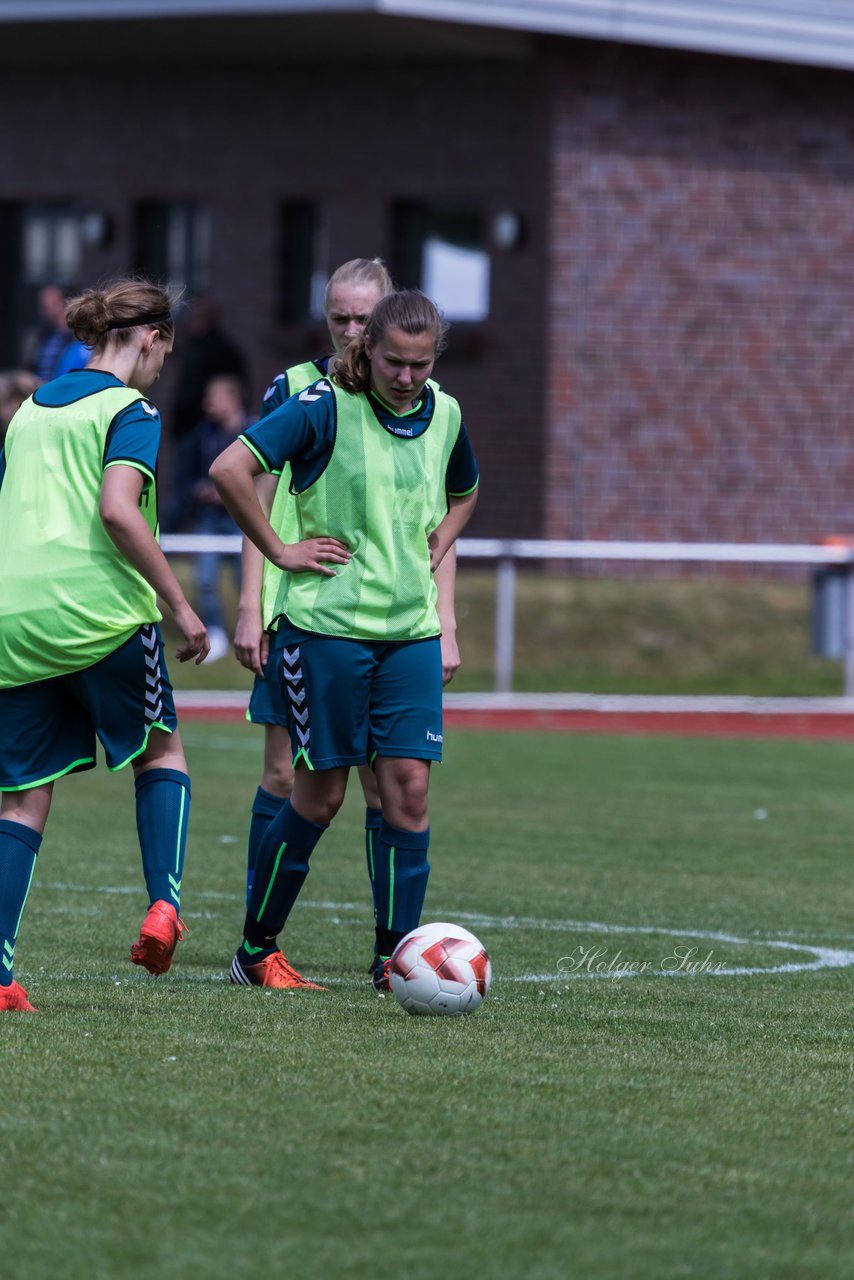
{"x":218,"y":642}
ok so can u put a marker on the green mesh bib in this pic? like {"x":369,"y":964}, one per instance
{"x":69,"y":596}
{"x":381,"y":494}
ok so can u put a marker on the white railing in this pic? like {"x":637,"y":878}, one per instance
{"x":507,"y":552}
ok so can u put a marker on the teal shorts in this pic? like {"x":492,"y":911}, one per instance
{"x":49,"y":728}
{"x":350,"y":701}
{"x":267,"y":700}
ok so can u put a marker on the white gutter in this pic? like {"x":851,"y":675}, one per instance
{"x":812,"y":32}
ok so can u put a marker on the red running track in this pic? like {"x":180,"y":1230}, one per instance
{"x":827,"y":725}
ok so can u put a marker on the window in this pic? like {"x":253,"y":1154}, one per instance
{"x":173,"y":244}
{"x":51,"y":245}
{"x":39,"y":244}
{"x":441,"y":249}
{"x":301,"y":278}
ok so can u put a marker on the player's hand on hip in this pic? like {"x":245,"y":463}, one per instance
{"x":315,"y":555}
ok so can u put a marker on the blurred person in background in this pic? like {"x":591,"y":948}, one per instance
{"x":225,"y":416}
{"x":205,"y":352}
{"x":53,"y":349}
{"x":80,"y":646}
{"x":16,"y":386}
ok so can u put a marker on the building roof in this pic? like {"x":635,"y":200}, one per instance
{"x":810,"y":32}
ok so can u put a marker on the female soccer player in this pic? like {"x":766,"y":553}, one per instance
{"x":383,"y":481}
{"x":80,"y":646}
{"x":352,"y":292}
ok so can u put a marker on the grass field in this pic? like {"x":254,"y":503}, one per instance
{"x":649,"y":635}
{"x":667,"y":1124}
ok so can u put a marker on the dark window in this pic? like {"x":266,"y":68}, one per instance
{"x":442,"y":249}
{"x":301,"y":279}
{"x":51,"y":244}
{"x":173,"y":244}
{"x":39,"y":244}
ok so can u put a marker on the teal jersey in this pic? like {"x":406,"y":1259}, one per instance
{"x":282,"y":513}
{"x":292,"y":381}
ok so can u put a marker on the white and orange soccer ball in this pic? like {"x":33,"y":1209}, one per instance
{"x":440,"y":969}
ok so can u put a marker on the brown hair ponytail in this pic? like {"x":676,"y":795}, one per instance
{"x":112,"y":311}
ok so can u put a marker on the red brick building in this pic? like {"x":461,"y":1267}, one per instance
{"x":643,"y":234}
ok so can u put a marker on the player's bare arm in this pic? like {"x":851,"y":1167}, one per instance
{"x":445,"y":578}
{"x":448,"y":529}
{"x":233,"y":473}
{"x":251,"y":642}
{"x":127,"y":528}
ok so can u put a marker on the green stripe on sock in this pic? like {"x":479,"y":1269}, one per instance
{"x":391,"y":853}
{"x":181,"y":822}
{"x":282,"y":849}
{"x":26,"y":895}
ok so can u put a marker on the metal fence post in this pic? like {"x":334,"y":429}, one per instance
{"x":848,"y":689}
{"x":506,"y":551}
{"x":505,"y":623}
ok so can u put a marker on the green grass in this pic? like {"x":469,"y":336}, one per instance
{"x":653,"y":635}
{"x":642,"y":1128}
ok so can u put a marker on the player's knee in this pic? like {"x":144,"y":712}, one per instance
{"x":412,"y":813}
{"x":163,"y":751}
{"x":278,"y":776}
{"x":405,"y":799}
{"x":318,"y":797}
{"x":278,"y":779}
{"x":370,"y":787}
{"x":320,"y":809}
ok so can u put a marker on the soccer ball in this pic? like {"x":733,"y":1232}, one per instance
{"x":439,"y":969}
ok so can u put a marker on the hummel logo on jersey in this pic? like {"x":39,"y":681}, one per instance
{"x":273,"y":385}
{"x":150,"y":410}
{"x":314,"y":392}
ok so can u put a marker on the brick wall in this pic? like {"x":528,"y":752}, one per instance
{"x":701,"y":381}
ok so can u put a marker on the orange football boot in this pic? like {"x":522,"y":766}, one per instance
{"x":272,"y":972}
{"x":15,"y":997}
{"x":161,"y":931}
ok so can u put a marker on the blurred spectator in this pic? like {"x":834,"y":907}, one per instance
{"x":203,"y":351}
{"x":225,"y":416}
{"x":52,"y":349}
{"x":16,"y":386}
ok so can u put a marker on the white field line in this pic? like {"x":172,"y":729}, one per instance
{"x":596,"y":965}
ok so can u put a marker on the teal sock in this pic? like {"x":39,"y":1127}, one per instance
{"x":401,"y":871}
{"x":373,"y":822}
{"x":19,"y":846}
{"x":279,"y":876}
{"x":162,"y":814}
{"x":265,"y":806}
